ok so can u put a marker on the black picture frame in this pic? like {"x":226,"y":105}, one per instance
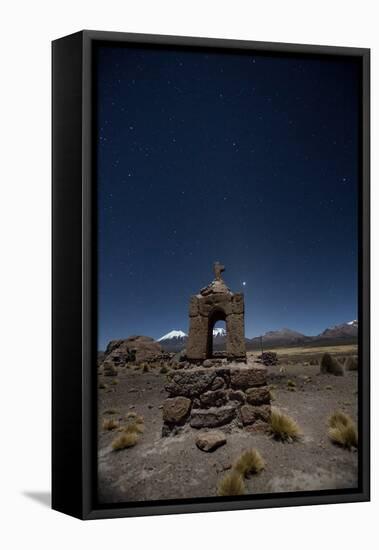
{"x":74,"y":275}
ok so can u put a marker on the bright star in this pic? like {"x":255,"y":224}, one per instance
{"x":243,"y":283}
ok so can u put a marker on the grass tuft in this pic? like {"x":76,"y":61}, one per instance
{"x":110,"y":424}
{"x":124,"y":441}
{"x":342,"y":430}
{"x":250,"y":462}
{"x":283,"y":427}
{"x":164,"y":370}
{"x":231,"y":484}
{"x":134,"y":427}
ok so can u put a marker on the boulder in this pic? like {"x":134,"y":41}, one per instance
{"x":212,"y":418}
{"x":247,"y":377}
{"x":331,"y":365}
{"x":136,"y":349}
{"x":210,"y":441}
{"x":251,"y":414}
{"x":258,"y":396}
{"x":176,"y":410}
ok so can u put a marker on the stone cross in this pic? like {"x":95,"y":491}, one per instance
{"x":218,"y":269}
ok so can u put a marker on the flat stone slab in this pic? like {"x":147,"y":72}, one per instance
{"x":242,"y":378}
{"x":210,"y":441}
{"x":193,"y":382}
{"x":212,"y":418}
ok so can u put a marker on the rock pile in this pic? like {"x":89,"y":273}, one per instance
{"x":135,"y":349}
{"x":269,"y":358}
{"x":211,"y":397}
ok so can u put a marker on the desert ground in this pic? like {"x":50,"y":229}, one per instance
{"x":174,"y":467}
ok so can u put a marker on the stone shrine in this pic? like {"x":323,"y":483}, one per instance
{"x":216,"y":303}
{"x":206,"y":391}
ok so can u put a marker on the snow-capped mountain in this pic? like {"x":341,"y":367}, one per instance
{"x":176,"y":340}
{"x":173,"y":335}
{"x":343,"y":331}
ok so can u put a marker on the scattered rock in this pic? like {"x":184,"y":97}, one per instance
{"x":210,"y":441}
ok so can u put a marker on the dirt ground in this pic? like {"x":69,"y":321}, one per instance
{"x":173,"y":467}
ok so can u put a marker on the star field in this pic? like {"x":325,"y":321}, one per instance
{"x":247,"y":159}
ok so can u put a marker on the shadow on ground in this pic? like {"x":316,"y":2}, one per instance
{"x":42,"y":497}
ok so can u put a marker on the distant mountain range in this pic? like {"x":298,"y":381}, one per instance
{"x":338,"y":334}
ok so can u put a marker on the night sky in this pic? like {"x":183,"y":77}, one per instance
{"x":247,"y":159}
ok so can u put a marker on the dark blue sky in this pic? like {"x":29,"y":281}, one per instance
{"x":247,"y":159}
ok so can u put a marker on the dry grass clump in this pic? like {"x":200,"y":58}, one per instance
{"x":111,"y":411}
{"x":130,"y":432}
{"x":351,"y":363}
{"x":102,"y":386}
{"x":342,"y":430}
{"x":283,"y":427}
{"x":164,"y":370}
{"x":145,"y":368}
{"x":291,"y":384}
{"x":330,"y":365}
{"x":134,"y":427}
{"x":272,"y":395}
{"x":250,"y":462}
{"x":124,"y":441}
{"x":231,"y":484}
{"x":110,"y":424}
